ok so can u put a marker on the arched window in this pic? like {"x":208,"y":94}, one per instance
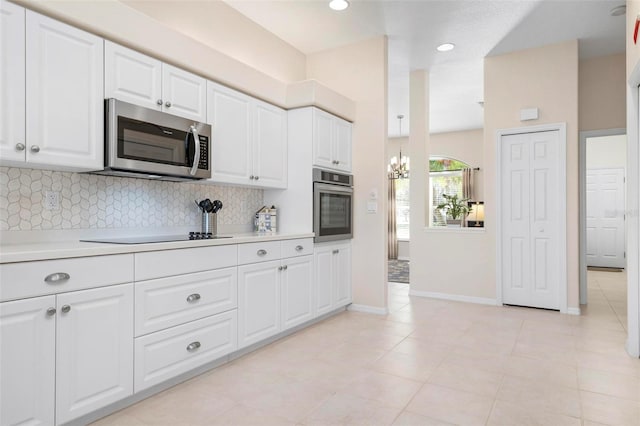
{"x":445,"y":177}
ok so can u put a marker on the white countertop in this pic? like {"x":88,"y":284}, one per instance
{"x":25,"y":252}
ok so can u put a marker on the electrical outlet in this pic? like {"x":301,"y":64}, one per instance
{"x":52,"y":200}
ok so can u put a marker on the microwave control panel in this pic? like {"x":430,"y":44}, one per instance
{"x":204,"y":153}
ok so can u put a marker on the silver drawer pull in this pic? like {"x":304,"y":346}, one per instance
{"x":299,"y":248}
{"x":65,"y":309}
{"x":280,"y":268}
{"x":335,"y":251}
{"x":193,"y":346}
{"x":193,"y":297}
{"x":285,"y":267}
{"x":51,"y":312}
{"x":56,"y":277}
{"x":262,"y":252}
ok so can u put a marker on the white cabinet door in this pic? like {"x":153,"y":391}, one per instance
{"x":65,"y":95}
{"x":27,"y":361}
{"x":342,"y":145}
{"x":229,"y":113}
{"x":184,"y":93}
{"x":94,"y":349}
{"x":12,"y":83}
{"x":342,"y":275}
{"x":322,"y":139}
{"x":270,"y":146}
{"x":297,"y":291}
{"x":132,"y":77}
{"x":323,"y":279}
{"x":167,"y":302}
{"x":258,"y":302}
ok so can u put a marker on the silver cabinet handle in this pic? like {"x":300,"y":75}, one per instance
{"x":262,"y":252}
{"x":193,"y":298}
{"x":299,"y":248}
{"x":51,"y":312}
{"x":257,"y":177}
{"x":285,"y":267}
{"x":192,"y":347}
{"x":35,"y":148}
{"x":335,"y":251}
{"x":251,"y":177}
{"x":20,"y":147}
{"x":159,"y":102}
{"x":280,"y":268}
{"x":56,"y":277}
{"x":167,"y":104}
{"x":65,"y":309}
{"x":337,"y":161}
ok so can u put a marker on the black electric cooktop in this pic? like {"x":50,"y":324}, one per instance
{"x":145,"y":239}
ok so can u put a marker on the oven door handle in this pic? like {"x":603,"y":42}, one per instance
{"x":196,"y":154}
{"x":330,"y":188}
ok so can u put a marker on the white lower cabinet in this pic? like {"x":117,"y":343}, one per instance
{"x":94,"y":350}
{"x":168,"y":353}
{"x":27,"y":361}
{"x":332,"y":275}
{"x":73,"y":351}
{"x":258,"y":302}
{"x":297,"y":291}
{"x":166,"y":302}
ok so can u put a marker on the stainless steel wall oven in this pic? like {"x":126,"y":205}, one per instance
{"x":332,"y":205}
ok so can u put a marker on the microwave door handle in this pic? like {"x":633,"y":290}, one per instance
{"x":196,"y":154}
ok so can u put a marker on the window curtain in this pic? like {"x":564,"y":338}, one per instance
{"x":392,"y":237}
{"x":467,"y":184}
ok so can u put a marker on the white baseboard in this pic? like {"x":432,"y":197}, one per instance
{"x":453,"y":297}
{"x":573,"y":311}
{"x":403,"y":258}
{"x":368,"y":309}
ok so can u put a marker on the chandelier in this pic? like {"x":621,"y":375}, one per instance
{"x":398,"y":168}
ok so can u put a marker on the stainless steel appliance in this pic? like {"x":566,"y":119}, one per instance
{"x":332,"y":205}
{"x":147,"y":239}
{"x":141,"y":142}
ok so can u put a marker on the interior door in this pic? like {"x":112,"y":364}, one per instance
{"x":605,"y":218}
{"x":530,"y":216}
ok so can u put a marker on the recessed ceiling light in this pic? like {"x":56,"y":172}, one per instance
{"x":618,"y":10}
{"x":445,"y":47}
{"x":338,"y":4}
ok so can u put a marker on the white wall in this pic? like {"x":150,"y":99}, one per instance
{"x":607,"y":152}
{"x":601,"y":93}
{"x":359,"y":71}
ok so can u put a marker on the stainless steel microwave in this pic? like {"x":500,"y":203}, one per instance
{"x":141,"y":142}
{"x":332,"y":205}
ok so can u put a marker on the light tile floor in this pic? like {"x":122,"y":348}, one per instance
{"x":428,"y":362}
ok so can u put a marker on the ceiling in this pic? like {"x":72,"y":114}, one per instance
{"x":414,"y":28}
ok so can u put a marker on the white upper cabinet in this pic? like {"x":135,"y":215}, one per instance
{"x":51,"y":93}
{"x":249,"y":139}
{"x":270,"y":145}
{"x":131,"y":76}
{"x":12,"y":74}
{"x":64,"y":96}
{"x":184,"y":93}
{"x":142,"y":80}
{"x":331,"y":141}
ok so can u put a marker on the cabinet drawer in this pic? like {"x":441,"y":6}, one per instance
{"x":299,"y":247}
{"x":166,"y":302}
{"x":165,"y":263}
{"x":168,"y":353}
{"x":258,"y":252}
{"x":29,"y":279}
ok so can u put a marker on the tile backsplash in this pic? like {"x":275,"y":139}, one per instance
{"x":89,"y":201}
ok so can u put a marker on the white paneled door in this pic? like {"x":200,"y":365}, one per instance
{"x":605,"y":218}
{"x":531,"y":219}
